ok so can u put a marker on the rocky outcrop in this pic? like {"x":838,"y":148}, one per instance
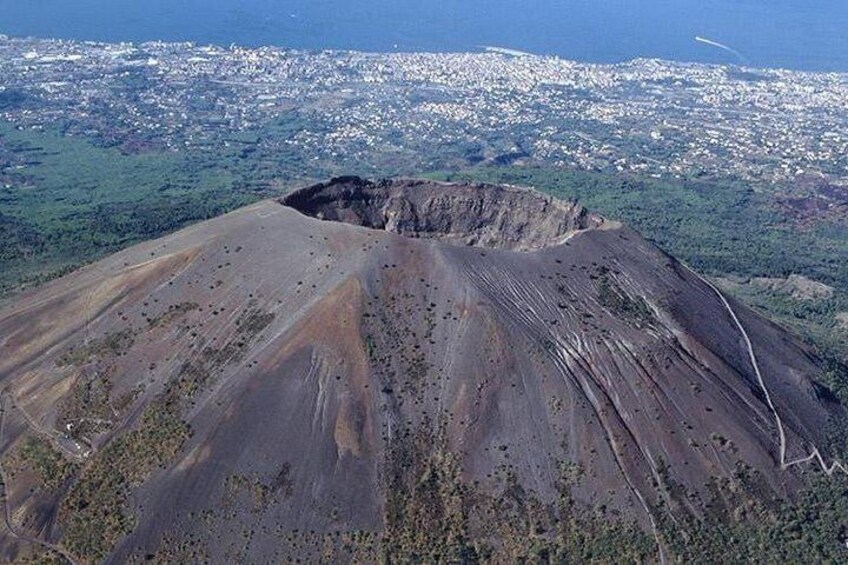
{"x":797,"y":286}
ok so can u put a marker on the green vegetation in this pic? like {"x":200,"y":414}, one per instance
{"x":813,"y":319}
{"x":89,"y":408}
{"x":717,"y":227}
{"x":262,"y":493}
{"x":426,"y":519}
{"x":116,"y":343}
{"x":65,"y":201}
{"x":93,"y":516}
{"x":721,"y":228}
{"x":41,"y":556}
{"x":613,"y":298}
{"x":432,"y":515}
{"x":745,"y":525}
{"x":728,"y":229}
{"x":195,"y":374}
{"x":174,"y":313}
{"x":49,"y":465}
{"x":835,"y":376}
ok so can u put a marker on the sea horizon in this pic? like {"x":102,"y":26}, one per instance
{"x":477,"y":50}
{"x":785,"y":34}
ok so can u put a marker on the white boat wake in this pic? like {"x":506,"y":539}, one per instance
{"x":722,"y":46}
{"x":505,"y":51}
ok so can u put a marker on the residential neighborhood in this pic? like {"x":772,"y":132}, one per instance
{"x":417,"y":111}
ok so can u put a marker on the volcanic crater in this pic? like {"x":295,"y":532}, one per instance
{"x":497,"y":217}
{"x":394,"y":370}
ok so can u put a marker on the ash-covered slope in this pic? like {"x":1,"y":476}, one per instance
{"x":431,"y":371}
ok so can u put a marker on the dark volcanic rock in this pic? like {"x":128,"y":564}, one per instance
{"x":270,"y":385}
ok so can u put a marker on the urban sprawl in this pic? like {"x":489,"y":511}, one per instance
{"x":424,"y":109}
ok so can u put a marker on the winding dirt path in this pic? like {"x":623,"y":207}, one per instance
{"x":815,"y":454}
{"x":69,"y":447}
{"x":7,"y":515}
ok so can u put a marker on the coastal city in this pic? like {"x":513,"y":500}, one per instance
{"x":411,"y":112}
{"x":423,"y":282}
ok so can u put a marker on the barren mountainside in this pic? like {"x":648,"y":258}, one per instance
{"x":403,"y":369}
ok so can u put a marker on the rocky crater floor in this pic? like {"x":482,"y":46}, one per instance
{"x":401,"y":370}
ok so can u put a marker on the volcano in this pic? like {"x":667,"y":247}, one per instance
{"x":396,"y":370}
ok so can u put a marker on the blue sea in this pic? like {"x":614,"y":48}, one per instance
{"x":797,"y":34}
